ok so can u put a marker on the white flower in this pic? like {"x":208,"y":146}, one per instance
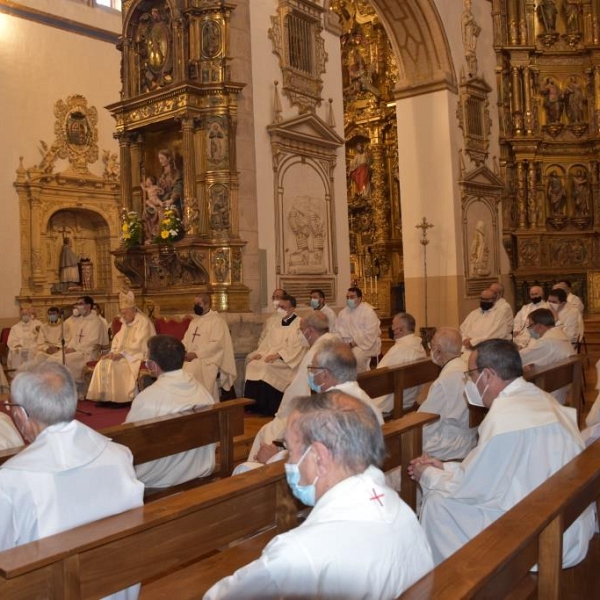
{"x":172,"y":233}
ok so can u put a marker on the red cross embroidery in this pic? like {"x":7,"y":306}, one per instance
{"x":195,"y":334}
{"x":376,"y":497}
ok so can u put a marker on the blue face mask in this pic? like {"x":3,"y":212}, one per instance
{"x":314,"y":303}
{"x":311,"y":383}
{"x":53,"y":318}
{"x":351,"y":302}
{"x":305,"y":493}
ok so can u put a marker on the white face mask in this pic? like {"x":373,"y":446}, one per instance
{"x":282,"y":312}
{"x":76,"y":312}
{"x":554,"y":306}
{"x":275,"y":304}
{"x":472,"y":393}
{"x":25,"y":318}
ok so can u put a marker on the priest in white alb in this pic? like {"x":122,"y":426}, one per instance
{"x":209,"y":349}
{"x":23,"y":338}
{"x":115,"y":375}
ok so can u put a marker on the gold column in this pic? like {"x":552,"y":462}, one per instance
{"x":532,"y":205}
{"x":522,"y":24}
{"x":521,"y":192}
{"x":517,"y":106}
{"x":513,"y":23}
{"x":192,"y":214}
{"x":125,"y":157}
{"x":597,"y":98}
{"x":36,"y":239}
{"x":527,"y":97}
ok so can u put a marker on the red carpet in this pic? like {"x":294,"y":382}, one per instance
{"x":100,"y":417}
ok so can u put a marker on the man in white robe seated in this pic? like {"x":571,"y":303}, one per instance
{"x":317,"y":302}
{"x":500,"y":300}
{"x":23,"y":339}
{"x":450,"y":438}
{"x":521,"y":335}
{"x":115,"y":375}
{"x":272,"y":366}
{"x":87,"y":338}
{"x":209,"y":349}
{"x":69,"y":475}
{"x":407,"y":348}
{"x":569,"y":319}
{"x":360,"y":540}
{"x":358,"y":325}
{"x":549,"y":345}
{"x":9,"y":434}
{"x":51,"y":335}
{"x":486,"y":322}
{"x":525,"y":438}
{"x":572,"y":299}
{"x":174,"y":391}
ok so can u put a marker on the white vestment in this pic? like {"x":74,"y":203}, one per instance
{"x":483,"y":325}
{"x":275,"y":429}
{"x":116,"y":380}
{"x":525,"y":438}
{"x":9,"y":434}
{"x":171,"y":393}
{"x":575,"y":302}
{"x":505,"y":307}
{"x":521,"y":335}
{"x":88,"y":336}
{"x":359,"y":541}
{"x":282,"y":340}
{"x":208,"y":336}
{"x":331,"y":316}
{"x":570,"y":320}
{"x":353,"y":389}
{"x":22,"y":342}
{"x":361,"y":326}
{"x":450,"y":437}
{"x":70,"y":475}
{"x":551,"y":348}
{"x":406,"y":349}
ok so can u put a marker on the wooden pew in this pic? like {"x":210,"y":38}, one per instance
{"x":161,"y":539}
{"x":388,"y":380}
{"x":496,"y":563}
{"x":549,"y":379}
{"x":163,"y":436}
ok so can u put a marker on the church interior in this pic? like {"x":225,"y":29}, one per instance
{"x":420,"y":150}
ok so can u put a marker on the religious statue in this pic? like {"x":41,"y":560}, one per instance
{"x":219,"y":214}
{"x":359,"y":171}
{"x":170,"y":181}
{"x":479,"y":252}
{"x":361,"y":78}
{"x":111,"y":165}
{"x":153,"y":208}
{"x":298,"y":222}
{"x":557,"y":195}
{"x":581,"y":193}
{"x":574,"y":99}
{"x":68,"y":265}
{"x":470,"y":33}
{"x":546,"y":12}
{"x":216,"y":142}
{"x":571,"y":10}
{"x":552,"y":101}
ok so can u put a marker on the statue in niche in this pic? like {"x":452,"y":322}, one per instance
{"x":552,"y":101}
{"x":111,"y":166}
{"x":170,"y":181}
{"x":68,"y":265}
{"x":581,"y":193}
{"x":360,"y":76}
{"x":359,"y":171}
{"x":470,"y":33}
{"x":211,"y":39}
{"x":574,"y":100}
{"x":307,"y":225}
{"x":299,"y":224}
{"x":479,"y":253}
{"x":557,"y":195}
{"x":153,"y":208}
{"x":154,"y":49}
{"x":571,"y":11}
{"x":216,"y":142}
{"x":219,"y":214}
{"x":546,"y":12}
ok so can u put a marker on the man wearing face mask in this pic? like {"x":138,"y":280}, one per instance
{"x":209,"y":349}
{"x":450,"y":437}
{"x":566,"y":317}
{"x":274,"y":319}
{"x":521,"y":335}
{"x":317,"y":302}
{"x":358,"y":325}
{"x":23,"y":338}
{"x":486,"y":322}
{"x":525,"y":438}
{"x":360,"y":539}
{"x":272,"y":366}
{"x":408,"y":347}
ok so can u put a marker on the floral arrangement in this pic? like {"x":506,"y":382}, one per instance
{"x":170,"y":227}
{"x":131,"y":230}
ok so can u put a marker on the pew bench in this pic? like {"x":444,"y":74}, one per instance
{"x":497,"y":562}
{"x":388,"y":380}
{"x":163,"y":538}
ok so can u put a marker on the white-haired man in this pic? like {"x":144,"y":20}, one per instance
{"x":521,"y":335}
{"x":115,"y":376}
{"x":360,"y":539}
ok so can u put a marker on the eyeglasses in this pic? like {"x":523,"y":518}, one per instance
{"x":13,"y":404}
{"x":531,"y":325}
{"x":311,"y":368}
{"x":467,"y":374}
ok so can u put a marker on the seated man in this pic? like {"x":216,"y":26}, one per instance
{"x":501,"y":303}
{"x":317,"y":302}
{"x":525,"y":438}
{"x":174,"y":391}
{"x":115,"y":375}
{"x":209,"y":350}
{"x":549,"y":344}
{"x":572,"y":299}
{"x":486,"y":322}
{"x":23,"y":338}
{"x":358,"y":325}
{"x":87,"y":337}
{"x":407,"y":348}
{"x":566,"y":317}
{"x":521,"y":335}
{"x":360,"y":539}
{"x":272,"y":366}
{"x":51,"y":335}
{"x":450,"y":437}
{"x":69,"y":474}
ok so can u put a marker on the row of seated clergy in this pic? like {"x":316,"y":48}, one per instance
{"x":69,"y":474}
{"x":360,"y":540}
{"x":525,"y":438}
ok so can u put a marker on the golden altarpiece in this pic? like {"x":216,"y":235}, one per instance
{"x":548,"y":81}
{"x":176,"y":127}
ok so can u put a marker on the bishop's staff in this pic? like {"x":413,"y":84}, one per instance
{"x":424,"y":226}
